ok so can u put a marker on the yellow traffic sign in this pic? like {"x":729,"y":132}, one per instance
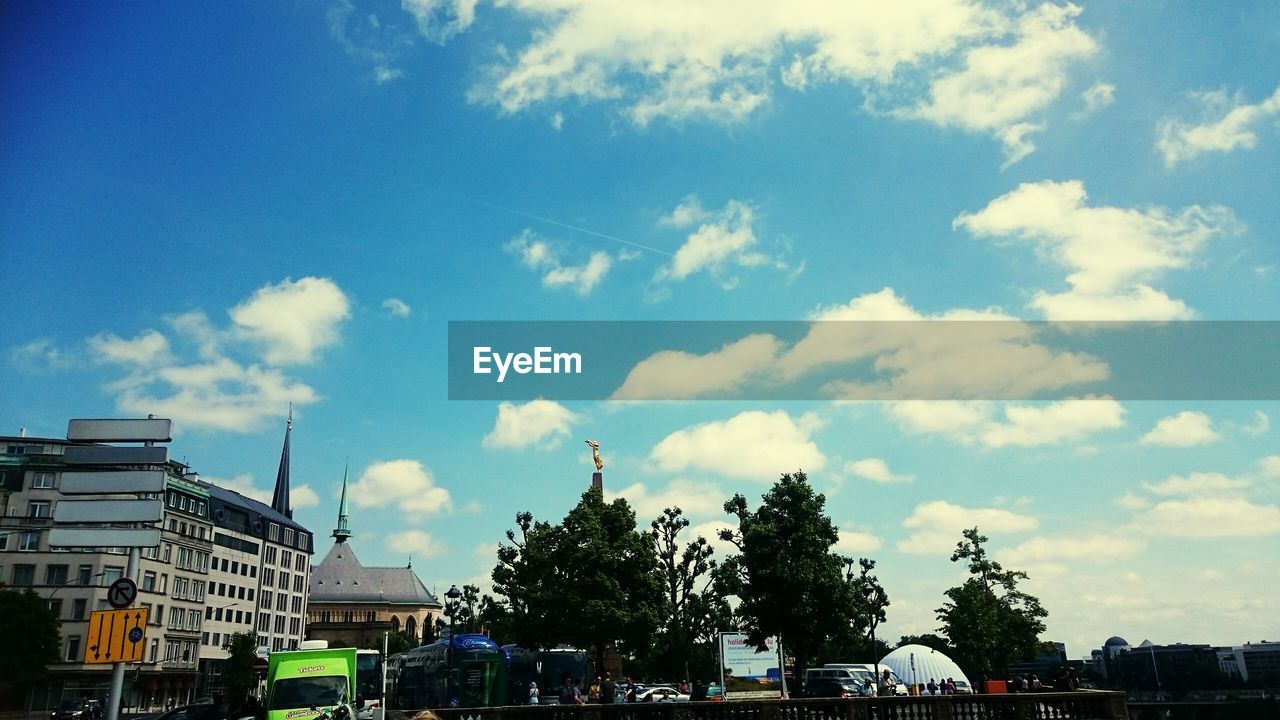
{"x":116,"y":636}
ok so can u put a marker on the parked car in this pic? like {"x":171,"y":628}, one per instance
{"x":660,"y":693}
{"x":78,"y":709}
{"x":831,"y":688}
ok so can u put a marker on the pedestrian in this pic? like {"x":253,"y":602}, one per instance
{"x":533,"y":693}
{"x":566,"y":691}
{"x":593,"y":692}
{"x":577,"y":693}
{"x":868,"y":688}
{"x":631,"y":690}
{"x":608,"y":690}
{"x":933,"y":687}
{"x":887,"y":685}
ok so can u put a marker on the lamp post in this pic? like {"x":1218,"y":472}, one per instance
{"x":452,"y":596}
{"x":875,"y":596}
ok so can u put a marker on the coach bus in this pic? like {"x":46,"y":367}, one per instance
{"x":550,"y":669}
{"x":462,"y":671}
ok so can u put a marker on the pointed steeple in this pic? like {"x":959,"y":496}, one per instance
{"x":280,"y":499}
{"x":341,"y":533}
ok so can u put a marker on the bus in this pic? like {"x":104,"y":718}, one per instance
{"x":368,"y":681}
{"x":551,"y":669}
{"x":461,"y":671}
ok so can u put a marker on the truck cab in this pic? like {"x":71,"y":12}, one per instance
{"x":302,"y":684}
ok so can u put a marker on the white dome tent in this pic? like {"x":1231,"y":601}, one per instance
{"x":919,"y":663}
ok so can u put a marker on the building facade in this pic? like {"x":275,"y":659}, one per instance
{"x":184,"y":583}
{"x":356,"y":606}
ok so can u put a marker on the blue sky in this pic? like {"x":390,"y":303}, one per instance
{"x":209,"y":211}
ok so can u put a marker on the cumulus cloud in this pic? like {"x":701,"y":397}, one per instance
{"x":723,"y":242}
{"x":1261,"y":424}
{"x":300,"y":496}
{"x":1017,"y":425}
{"x":538,"y":423}
{"x":1111,"y":253}
{"x":1228,"y":123}
{"x":538,"y":254}
{"x":440,"y":20}
{"x":402,"y":484}
{"x":370,"y":38}
{"x":756,"y":445}
{"x":876,"y":470}
{"x":149,"y":349}
{"x":855,"y":543}
{"x":1185,"y":429}
{"x":1055,"y":555}
{"x":697,"y":499}
{"x":416,"y":543}
{"x":985,"y":70}
{"x":1001,"y":86}
{"x":293,"y":321}
{"x":39,"y":355}
{"x":674,"y":373}
{"x":1209,"y":517}
{"x":1098,"y":96}
{"x":1197,"y":484}
{"x":936,"y":526}
{"x":397,"y":307}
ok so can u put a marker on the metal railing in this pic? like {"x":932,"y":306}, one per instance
{"x":1082,"y":705}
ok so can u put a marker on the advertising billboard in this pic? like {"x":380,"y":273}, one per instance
{"x":747,"y":671}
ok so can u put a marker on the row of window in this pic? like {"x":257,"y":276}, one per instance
{"x":24,"y":575}
{"x":238,"y":617}
{"x":236,"y":567}
{"x":190,"y":530}
{"x":180,"y":619}
{"x":231,"y":591}
{"x":186,"y":503}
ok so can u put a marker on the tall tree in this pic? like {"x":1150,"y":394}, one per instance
{"x":787,"y":579}
{"x":464,"y":613}
{"x":238,"y":678}
{"x":590,"y":581}
{"x":692,"y":610}
{"x":988,"y":621}
{"x":34,"y":642}
{"x":871,"y":600}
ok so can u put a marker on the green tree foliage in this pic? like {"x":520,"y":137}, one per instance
{"x":465,"y":611}
{"x":788,"y":581}
{"x":692,"y":610}
{"x":929,"y":640}
{"x":28,"y":652}
{"x":987,"y":620}
{"x":238,"y":679}
{"x":591,"y":581}
{"x":397,"y":642}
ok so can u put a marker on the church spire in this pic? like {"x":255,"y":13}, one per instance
{"x":280,"y":499}
{"x":341,"y":533}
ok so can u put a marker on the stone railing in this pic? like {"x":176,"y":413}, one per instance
{"x":1084,"y":705}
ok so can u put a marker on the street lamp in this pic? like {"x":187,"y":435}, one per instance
{"x":453,"y":595}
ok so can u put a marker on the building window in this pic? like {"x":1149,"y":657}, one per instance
{"x":111,"y":573}
{"x":297,"y":583}
{"x":42,"y":481}
{"x":38,"y":509}
{"x":149,"y":581}
{"x":73,"y":648}
{"x":273,"y":533}
{"x":250,"y":598}
{"x":253,"y":572}
{"x":284,"y":581}
{"x":208,"y":613}
{"x":288,"y":536}
{"x":29,"y":541}
{"x":78,"y":608}
{"x":217,"y":639}
{"x":204,"y":638}
{"x":193,"y":619}
{"x":286,"y":557}
{"x":55,"y":606}
{"x":158,"y":617}
{"x":55,"y":575}
{"x":155,"y":649}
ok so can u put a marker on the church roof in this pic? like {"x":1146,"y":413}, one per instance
{"x":340,"y":578}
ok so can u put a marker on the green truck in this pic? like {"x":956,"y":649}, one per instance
{"x":304,"y":684}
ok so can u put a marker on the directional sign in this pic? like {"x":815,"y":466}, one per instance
{"x":111,"y":455}
{"x":116,"y":636}
{"x":122,"y":593}
{"x":154,"y":430}
{"x":103,"y":537}
{"x":111,"y":482}
{"x":107,"y":511}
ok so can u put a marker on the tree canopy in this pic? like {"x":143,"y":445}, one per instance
{"x":785,"y":575}
{"x":987,"y":620}
{"x":29,"y":652}
{"x":693,"y":610}
{"x":238,"y":678}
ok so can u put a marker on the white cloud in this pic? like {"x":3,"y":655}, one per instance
{"x":696,"y":499}
{"x":1229,"y":123}
{"x":367,"y":38}
{"x":440,"y":20}
{"x":149,"y":349}
{"x":723,"y":242}
{"x":1111,"y":253}
{"x":1055,"y":555}
{"x":876,"y":470}
{"x":855,"y":543}
{"x":403,"y":484}
{"x":39,"y":355}
{"x":1098,"y":96}
{"x":753,"y":444}
{"x":416,"y":543}
{"x":1003,"y":85}
{"x":1269,"y":467}
{"x":293,"y":321}
{"x":1209,"y":517}
{"x":397,"y":307}
{"x":537,"y":423}
{"x":538,"y":255}
{"x":1021,"y":425}
{"x":303,"y":496}
{"x":300,"y":496}
{"x":937,"y":526}
{"x":677,"y":374}
{"x":1197,"y":484}
{"x":1130,"y":501}
{"x":986,"y":70}
{"x":1185,"y":429}
{"x":1261,"y":424}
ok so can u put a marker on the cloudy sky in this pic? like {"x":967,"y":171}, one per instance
{"x":210,"y":211}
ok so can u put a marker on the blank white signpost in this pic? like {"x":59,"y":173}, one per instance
{"x":89,"y":522}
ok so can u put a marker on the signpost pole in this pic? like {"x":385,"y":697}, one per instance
{"x":117,"y":669}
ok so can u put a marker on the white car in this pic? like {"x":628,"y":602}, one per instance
{"x":660,"y":693}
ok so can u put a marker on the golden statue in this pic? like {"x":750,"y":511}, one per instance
{"x":595,"y":454}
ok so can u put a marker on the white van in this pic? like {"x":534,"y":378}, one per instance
{"x":856,"y":672}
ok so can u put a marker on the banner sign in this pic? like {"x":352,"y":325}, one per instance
{"x":748,"y":672}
